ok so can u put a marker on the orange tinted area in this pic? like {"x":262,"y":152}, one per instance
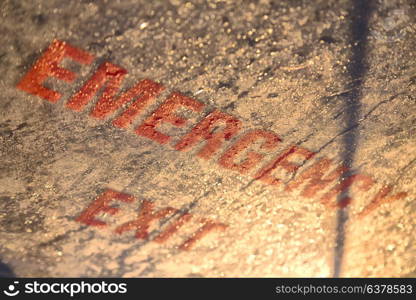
{"x":261,"y":138}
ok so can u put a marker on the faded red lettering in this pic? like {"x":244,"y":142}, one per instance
{"x":366,"y":183}
{"x":165,"y":113}
{"x":200,"y":233}
{"x":383,"y":196}
{"x":144,"y":91}
{"x":168,"y":232}
{"x":146,"y":216}
{"x":282,"y":161}
{"x":101,"y":205}
{"x":107,"y":75}
{"x":252,"y":158}
{"x":48,"y":66}
{"x":206,"y":130}
{"x":315,"y":177}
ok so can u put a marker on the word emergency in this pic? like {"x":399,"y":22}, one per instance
{"x":324,"y":179}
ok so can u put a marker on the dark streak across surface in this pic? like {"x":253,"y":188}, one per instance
{"x":360,"y":14}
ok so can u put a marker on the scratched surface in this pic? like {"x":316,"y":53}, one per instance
{"x":80,"y":196}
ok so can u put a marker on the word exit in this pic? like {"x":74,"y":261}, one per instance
{"x":147,"y":215}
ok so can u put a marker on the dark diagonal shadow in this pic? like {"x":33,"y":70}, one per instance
{"x":357,"y":69}
{"x":5,"y":271}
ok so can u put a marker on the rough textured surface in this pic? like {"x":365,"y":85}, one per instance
{"x":298,"y":68}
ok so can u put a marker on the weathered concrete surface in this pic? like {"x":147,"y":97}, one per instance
{"x":313,"y":72}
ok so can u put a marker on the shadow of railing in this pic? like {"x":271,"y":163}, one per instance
{"x":357,"y":69}
{"x":6,"y":271}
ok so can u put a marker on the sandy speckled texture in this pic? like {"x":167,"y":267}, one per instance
{"x":276,"y":65}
